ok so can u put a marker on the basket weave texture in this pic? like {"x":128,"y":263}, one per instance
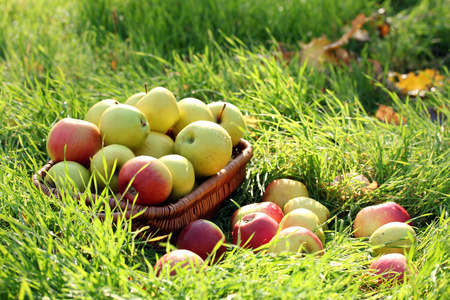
{"x":157,"y":221}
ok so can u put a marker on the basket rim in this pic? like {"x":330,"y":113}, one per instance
{"x":168,"y":210}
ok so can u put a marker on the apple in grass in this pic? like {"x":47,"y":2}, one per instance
{"x":204,"y":238}
{"x":254,"y":230}
{"x":125,"y":125}
{"x":229,"y":117}
{"x":67,"y":173}
{"x":373,"y":217}
{"x":145,"y":180}
{"x":206,"y":145}
{"x":95,"y":112}
{"x":304,"y":218}
{"x":280,"y":191}
{"x":73,"y":140}
{"x":183,"y":175}
{"x":269,"y":208}
{"x":391,"y":267}
{"x":176,"y":260}
{"x":315,"y":206}
{"x":107,"y":163}
{"x":191,"y":110}
{"x":296,"y":239}
{"x":156,"y":144}
{"x":394,"y":237}
{"x":161,"y":109}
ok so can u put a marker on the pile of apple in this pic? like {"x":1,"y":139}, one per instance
{"x":287,"y":220}
{"x":150,"y":149}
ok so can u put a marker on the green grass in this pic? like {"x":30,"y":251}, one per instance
{"x":57,"y":58}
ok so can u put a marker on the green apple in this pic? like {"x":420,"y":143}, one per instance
{"x":315,"y":206}
{"x":304,"y":218}
{"x":157,"y":144}
{"x":296,"y":239}
{"x":64,"y":174}
{"x":106,"y":165}
{"x":133,"y":99}
{"x":229,"y":117}
{"x":125,"y":125}
{"x":95,"y":112}
{"x":191,"y":110}
{"x":207,"y":145}
{"x":393,"y":237}
{"x":161,"y":109}
{"x":183,"y":175}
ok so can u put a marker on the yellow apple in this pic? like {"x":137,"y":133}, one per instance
{"x":206,"y":145}
{"x":133,"y":99}
{"x":64,"y":174}
{"x":315,"y":206}
{"x":304,"y":218}
{"x":183,"y":175}
{"x":394,"y":237}
{"x":191,"y":110}
{"x":280,"y":191}
{"x":106,"y":165}
{"x":296,"y":239}
{"x":157,"y":144}
{"x":161,"y":109}
{"x":229,"y":117}
{"x":125,"y":125}
{"x":95,"y":112}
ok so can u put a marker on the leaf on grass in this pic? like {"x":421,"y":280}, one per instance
{"x":114,"y":65}
{"x":416,"y":85}
{"x":314,"y":52}
{"x":387,"y":114}
{"x":384,"y":29}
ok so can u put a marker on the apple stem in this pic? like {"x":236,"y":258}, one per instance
{"x":145,"y":86}
{"x":219,"y":119}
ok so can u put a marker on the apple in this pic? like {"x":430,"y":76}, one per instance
{"x":206,"y":145}
{"x":183,"y":175}
{"x":67,"y":173}
{"x":373,"y":217}
{"x":304,"y":218}
{"x":161,"y":109}
{"x":315,"y":206}
{"x":156,"y":144}
{"x":204,"y":238}
{"x":125,"y":125}
{"x":145,"y":178}
{"x":296,"y":239}
{"x":254,"y":230}
{"x":229,"y":117}
{"x":394,"y":237}
{"x":280,"y":191}
{"x":176,"y":260}
{"x":95,"y":112}
{"x":133,"y":99}
{"x":269,"y":208}
{"x":391,"y":267}
{"x":74,"y":140}
{"x":107,"y":163}
{"x":191,"y":110}
{"x":354,"y":182}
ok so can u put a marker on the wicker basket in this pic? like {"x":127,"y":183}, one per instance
{"x":159,"y":221}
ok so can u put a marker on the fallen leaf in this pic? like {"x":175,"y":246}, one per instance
{"x":384,"y":29}
{"x":416,"y":85}
{"x":357,"y":23}
{"x":387,"y":114}
{"x":314,"y":52}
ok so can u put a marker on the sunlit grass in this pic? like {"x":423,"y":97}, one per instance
{"x":57,"y":58}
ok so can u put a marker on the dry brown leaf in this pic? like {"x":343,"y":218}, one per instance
{"x":387,"y":114}
{"x":416,"y":85}
{"x":357,"y":23}
{"x":114,"y":65}
{"x":314,"y":52}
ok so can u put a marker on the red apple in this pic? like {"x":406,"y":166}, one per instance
{"x":201,"y":237}
{"x":73,"y":140}
{"x":269,"y":208}
{"x":391,"y":267}
{"x":296,"y":239}
{"x":254,"y":230}
{"x":373,"y":217}
{"x":178,"y":259}
{"x":146,"y":177}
